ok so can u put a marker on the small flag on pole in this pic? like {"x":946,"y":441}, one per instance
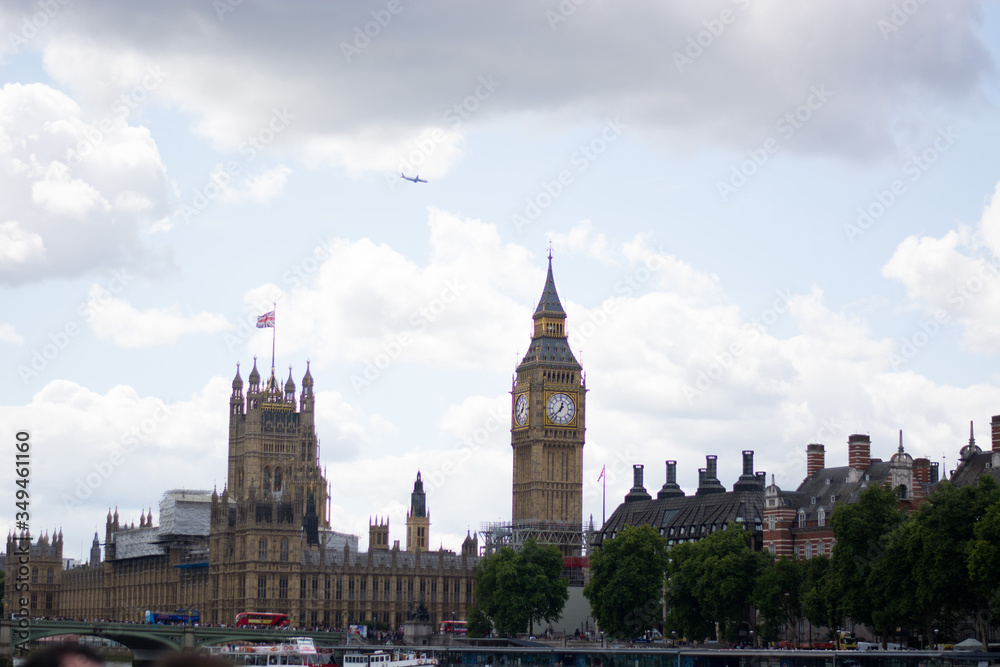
{"x":265,"y":321}
{"x":601,"y":476}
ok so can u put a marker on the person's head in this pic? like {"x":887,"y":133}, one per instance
{"x":66,"y":655}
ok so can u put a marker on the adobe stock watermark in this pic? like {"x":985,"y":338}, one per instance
{"x":123,"y":105}
{"x":455,"y":116}
{"x":619,"y":468}
{"x":296,"y":276}
{"x":714,"y":28}
{"x":581,"y":159}
{"x":796,"y":459}
{"x":899,"y":17}
{"x":364,"y":34}
{"x":566,"y":9}
{"x":786,"y":126}
{"x":928,"y":328}
{"x":627,"y":286}
{"x":88,"y":309}
{"x":748,"y":333}
{"x":466,"y":448}
{"x":89,"y":481}
{"x":220,"y":178}
{"x":913,"y":168}
{"x":33,"y":23}
{"x":422,"y":318}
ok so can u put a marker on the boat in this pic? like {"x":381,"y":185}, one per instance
{"x":296,"y":651}
{"x":386,"y":659}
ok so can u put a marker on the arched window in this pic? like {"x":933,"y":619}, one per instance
{"x":283,"y":557}
{"x":267,"y":478}
{"x":902,"y":491}
{"x":262,"y":549}
{"x":277,"y":479}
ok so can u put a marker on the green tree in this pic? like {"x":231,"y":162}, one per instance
{"x":477,"y":623}
{"x":626,"y":581}
{"x":777,"y":596}
{"x":944,"y":530}
{"x":710,"y":582}
{"x":983,"y":555}
{"x":516,"y":588}
{"x":815,"y":592}
{"x":861,"y":531}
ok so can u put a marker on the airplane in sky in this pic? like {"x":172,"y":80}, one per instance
{"x":415,"y":179}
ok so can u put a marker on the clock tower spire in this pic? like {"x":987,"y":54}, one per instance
{"x":547,"y":431}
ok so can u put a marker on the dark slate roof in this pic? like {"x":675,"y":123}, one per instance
{"x":550,"y":350}
{"x":969,"y":471}
{"x":549,"y":303}
{"x":688,"y":517}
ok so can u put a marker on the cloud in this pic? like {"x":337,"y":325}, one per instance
{"x":952,"y":279}
{"x":116,"y":320}
{"x":9,"y":335}
{"x":75,"y":195}
{"x":672,"y":71}
{"x":260,"y":187}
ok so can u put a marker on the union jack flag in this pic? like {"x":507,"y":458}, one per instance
{"x":265,"y":321}
{"x":601,"y":476}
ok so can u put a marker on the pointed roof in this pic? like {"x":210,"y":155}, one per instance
{"x":290,"y":385}
{"x":549,"y":303}
{"x":237,"y":381}
{"x":307,"y":379}
{"x":254,"y":374}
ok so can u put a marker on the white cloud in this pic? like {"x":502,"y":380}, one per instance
{"x":260,"y":187}
{"x":74,"y":194}
{"x":8,"y":334}
{"x":19,"y":246}
{"x":116,"y":320}
{"x":954,"y":278}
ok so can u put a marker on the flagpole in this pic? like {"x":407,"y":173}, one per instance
{"x":604,"y":496}
{"x":274,"y":331}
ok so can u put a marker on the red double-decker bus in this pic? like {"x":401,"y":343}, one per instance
{"x":261,"y":619}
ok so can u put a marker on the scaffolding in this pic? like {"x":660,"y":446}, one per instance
{"x":570,"y":538}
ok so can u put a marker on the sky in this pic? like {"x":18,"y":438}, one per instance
{"x":772,"y":224}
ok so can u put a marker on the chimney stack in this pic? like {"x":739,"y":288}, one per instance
{"x":747,"y":481}
{"x":670,"y":489}
{"x":922,"y":470}
{"x":815,"y":459}
{"x":995,"y":424}
{"x":709,"y":478}
{"x":859,"y":449}
{"x":638,"y":491}
{"x":935,"y":477}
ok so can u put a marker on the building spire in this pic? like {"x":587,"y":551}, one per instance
{"x":972,"y":437}
{"x":549,"y":304}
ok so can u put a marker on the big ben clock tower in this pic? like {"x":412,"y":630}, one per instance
{"x":547,"y":432}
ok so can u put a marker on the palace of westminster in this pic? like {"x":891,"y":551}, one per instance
{"x":265,"y":543}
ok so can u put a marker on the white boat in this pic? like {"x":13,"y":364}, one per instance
{"x":385,"y":659}
{"x":296,"y":651}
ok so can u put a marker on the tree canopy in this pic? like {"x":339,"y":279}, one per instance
{"x":515,"y":589}
{"x":626,"y":582}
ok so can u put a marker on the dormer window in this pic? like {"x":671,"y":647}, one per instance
{"x":812,"y":500}
{"x":802,"y":519}
{"x":821,"y":518}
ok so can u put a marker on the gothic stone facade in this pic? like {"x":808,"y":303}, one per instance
{"x":263,"y":544}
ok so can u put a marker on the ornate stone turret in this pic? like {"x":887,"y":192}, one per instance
{"x":418,"y":519}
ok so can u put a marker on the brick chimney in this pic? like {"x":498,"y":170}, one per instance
{"x":922,"y":470}
{"x":935,"y":477}
{"x":995,"y":424}
{"x":859,"y":451}
{"x":815,"y":459}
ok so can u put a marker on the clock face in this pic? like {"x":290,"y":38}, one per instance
{"x":560,"y":408}
{"x":521,"y":409}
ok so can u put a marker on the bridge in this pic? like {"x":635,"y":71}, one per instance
{"x":147,"y":641}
